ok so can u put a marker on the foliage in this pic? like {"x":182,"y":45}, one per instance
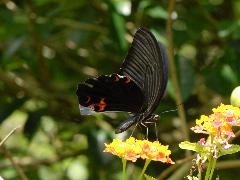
{"x":47,"y":47}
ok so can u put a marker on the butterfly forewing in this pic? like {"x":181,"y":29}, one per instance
{"x":146,"y":65}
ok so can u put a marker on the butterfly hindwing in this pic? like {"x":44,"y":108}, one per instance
{"x":110,"y":93}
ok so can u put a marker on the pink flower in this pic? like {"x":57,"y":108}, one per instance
{"x":217,"y":123}
{"x":202,"y":141}
{"x":231,"y":120}
{"x":227,"y":146}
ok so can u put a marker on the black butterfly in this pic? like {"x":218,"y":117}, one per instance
{"x":137,"y":88}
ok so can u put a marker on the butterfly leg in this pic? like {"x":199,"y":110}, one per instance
{"x":144,"y":125}
{"x":152,"y":120}
{"x":156,"y":118}
{"x":134,"y":129}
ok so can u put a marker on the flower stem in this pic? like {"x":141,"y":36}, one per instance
{"x":124,"y":162}
{"x":199,"y":172}
{"x":210,"y":169}
{"x":144,"y":168}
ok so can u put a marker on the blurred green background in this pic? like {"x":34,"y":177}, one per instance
{"x":48,"y":46}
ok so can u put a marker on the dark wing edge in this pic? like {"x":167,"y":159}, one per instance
{"x":162,"y":74}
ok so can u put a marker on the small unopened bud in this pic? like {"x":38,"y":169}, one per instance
{"x":235,"y":97}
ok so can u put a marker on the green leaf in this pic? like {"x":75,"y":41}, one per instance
{"x":32,"y":123}
{"x":149,"y":177}
{"x":157,"y":12}
{"x":159,"y":36}
{"x":187,"y":77}
{"x":214,"y":83}
{"x":8,"y":108}
{"x":191,"y":146}
{"x":119,"y":25}
{"x":233,"y":149}
{"x":192,"y":178}
{"x":16,"y":44}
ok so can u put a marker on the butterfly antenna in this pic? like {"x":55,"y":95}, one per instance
{"x":134,"y":129}
{"x":156,"y":131}
{"x":172,"y":110}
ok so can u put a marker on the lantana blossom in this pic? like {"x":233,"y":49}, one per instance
{"x":132,"y":149}
{"x":219,"y":126}
{"x":220,"y":122}
{"x":218,"y":130}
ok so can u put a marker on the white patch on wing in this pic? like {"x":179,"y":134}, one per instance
{"x":120,"y":76}
{"x":86,"y":110}
{"x":89,"y":111}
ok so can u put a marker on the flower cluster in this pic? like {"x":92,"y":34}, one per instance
{"x":218,"y":125}
{"x":132,"y":149}
{"x":219,"y":128}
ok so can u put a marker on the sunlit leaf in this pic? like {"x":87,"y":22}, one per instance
{"x":119,"y":25}
{"x":233,"y":149}
{"x":149,"y":177}
{"x":157,"y":12}
{"x":191,"y":146}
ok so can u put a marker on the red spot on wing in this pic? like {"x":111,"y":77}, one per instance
{"x":116,"y":77}
{"x":99,"y":106}
{"x":102,"y":104}
{"x":127,"y":80}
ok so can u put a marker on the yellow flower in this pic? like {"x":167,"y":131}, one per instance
{"x":220,"y":122}
{"x":133,"y":149}
{"x":127,"y":150}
